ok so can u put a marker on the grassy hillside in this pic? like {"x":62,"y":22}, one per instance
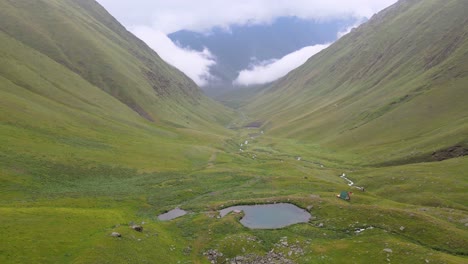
{"x":86,"y":40}
{"x":393,"y":89}
{"x":86,"y":109}
{"x":76,"y":85}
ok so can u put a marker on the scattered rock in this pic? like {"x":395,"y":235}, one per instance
{"x":320,"y":225}
{"x":187,"y":250}
{"x":269,"y":258}
{"x":115,"y":234}
{"x":239,"y":258}
{"x":137,"y":228}
{"x":310,"y":207}
{"x":213,"y":255}
{"x":449,"y":153}
{"x":359,"y":230}
{"x":279,"y":254}
{"x":402,"y":228}
{"x":388,"y":250}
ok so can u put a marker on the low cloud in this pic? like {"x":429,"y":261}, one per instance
{"x":203,"y":15}
{"x":347,"y":30}
{"x":194,"y":63}
{"x":152,"y":21}
{"x":265,"y":72}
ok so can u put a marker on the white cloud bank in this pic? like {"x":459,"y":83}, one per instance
{"x":195,"y":64}
{"x":202,"y":15}
{"x":153,"y":20}
{"x":270,"y":71}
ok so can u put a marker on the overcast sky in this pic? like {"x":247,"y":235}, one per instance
{"x":153,"y":20}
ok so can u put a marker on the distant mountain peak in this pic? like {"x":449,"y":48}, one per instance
{"x":239,"y":47}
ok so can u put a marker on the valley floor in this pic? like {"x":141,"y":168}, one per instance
{"x":414,"y":213}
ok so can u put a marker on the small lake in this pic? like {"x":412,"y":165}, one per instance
{"x":269,"y":216}
{"x":172,"y":214}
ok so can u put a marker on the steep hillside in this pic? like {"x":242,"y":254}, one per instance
{"x":83,"y":38}
{"x":76,"y":89}
{"x":91,"y":121}
{"x":393,"y":90}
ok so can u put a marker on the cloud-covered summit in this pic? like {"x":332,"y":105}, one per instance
{"x":203,"y":15}
{"x":152,"y":21}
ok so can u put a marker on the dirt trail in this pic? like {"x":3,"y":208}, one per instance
{"x":212,"y":159}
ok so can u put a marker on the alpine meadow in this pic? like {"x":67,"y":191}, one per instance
{"x":366,"y":144}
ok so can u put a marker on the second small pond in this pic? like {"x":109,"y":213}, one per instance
{"x":172,"y":214}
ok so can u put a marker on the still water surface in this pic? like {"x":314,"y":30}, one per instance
{"x":172,"y":214}
{"x":269,"y":216}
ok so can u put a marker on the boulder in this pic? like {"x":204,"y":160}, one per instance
{"x":115,"y":234}
{"x":137,"y":228}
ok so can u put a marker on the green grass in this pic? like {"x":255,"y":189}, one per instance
{"x":71,"y":195}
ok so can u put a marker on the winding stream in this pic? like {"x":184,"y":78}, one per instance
{"x":350,"y":182}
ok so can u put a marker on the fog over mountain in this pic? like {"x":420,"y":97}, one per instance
{"x":202,"y":32}
{"x":251,"y":49}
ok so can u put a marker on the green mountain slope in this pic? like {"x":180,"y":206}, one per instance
{"x":74,"y":84}
{"x":91,"y":121}
{"x":393,"y":89}
{"x":78,"y":91}
{"x":85,"y":39}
